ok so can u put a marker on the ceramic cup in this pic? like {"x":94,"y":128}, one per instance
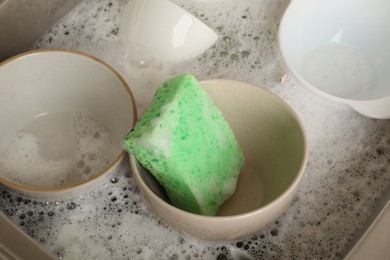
{"x":273,"y":141}
{"x":63,"y":116}
{"x":340,"y":50}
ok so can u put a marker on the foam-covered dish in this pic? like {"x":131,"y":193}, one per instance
{"x":63,"y":116}
{"x":345,"y":58}
{"x":176,"y":36}
{"x":272,"y":139}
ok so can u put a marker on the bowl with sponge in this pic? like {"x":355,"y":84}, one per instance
{"x":217,"y":159}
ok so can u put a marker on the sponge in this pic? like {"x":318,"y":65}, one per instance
{"x":184,"y":141}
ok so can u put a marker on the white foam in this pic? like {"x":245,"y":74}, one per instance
{"x":159,"y":134}
{"x":23,"y":163}
{"x":339,"y":71}
{"x":56,"y":150}
{"x":126,"y":226}
{"x":348,"y":158}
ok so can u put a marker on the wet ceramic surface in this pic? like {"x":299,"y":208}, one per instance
{"x":346,"y":175}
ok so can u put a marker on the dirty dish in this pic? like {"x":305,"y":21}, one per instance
{"x":163,"y":30}
{"x":63,"y":116}
{"x":341,"y":51}
{"x":273,"y":141}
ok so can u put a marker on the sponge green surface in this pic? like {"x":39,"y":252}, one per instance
{"x":184,"y":141}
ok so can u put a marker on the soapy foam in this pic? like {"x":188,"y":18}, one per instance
{"x":348,"y":162}
{"x":56,"y":150}
{"x":232,"y":56}
{"x":339,"y":71}
{"x":119,"y":219}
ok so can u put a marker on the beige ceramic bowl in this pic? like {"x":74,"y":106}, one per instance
{"x":63,"y":115}
{"x":273,"y":141}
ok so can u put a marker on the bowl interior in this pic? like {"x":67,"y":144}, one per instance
{"x":270,"y":136}
{"x":63,"y":117}
{"x":339,"y":47}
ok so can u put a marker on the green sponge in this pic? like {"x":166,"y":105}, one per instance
{"x":184,"y":141}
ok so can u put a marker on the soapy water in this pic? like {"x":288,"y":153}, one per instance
{"x":324,"y":215}
{"x":339,"y":71}
{"x":56,"y":150}
{"x":118,"y":218}
{"x":245,"y":45}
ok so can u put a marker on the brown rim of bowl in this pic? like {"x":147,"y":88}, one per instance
{"x":293,"y":185}
{"x":118,"y":158}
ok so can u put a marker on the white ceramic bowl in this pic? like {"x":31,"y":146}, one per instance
{"x":161,"y":29}
{"x":63,"y":116}
{"x":340,"y":50}
{"x":273,"y":141}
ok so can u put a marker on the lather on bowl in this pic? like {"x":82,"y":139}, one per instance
{"x":273,"y":141}
{"x":341,"y":51}
{"x":63,"y":116}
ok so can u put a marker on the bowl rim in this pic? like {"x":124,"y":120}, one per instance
{"x":31,"y":189}
{"x":280,"y":198}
